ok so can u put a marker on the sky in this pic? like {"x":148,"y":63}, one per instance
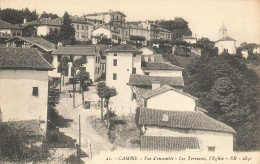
{"x":205,"y":17}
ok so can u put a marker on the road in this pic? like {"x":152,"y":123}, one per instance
{"x":88,"y":133}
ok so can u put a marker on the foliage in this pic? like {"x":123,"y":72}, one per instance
{"x":205,"y":43}
{"x":14,"y":16}
{"x":178,"y":27}
{"x":48,"y":15}
{"x":54,"y":119}
{"x":137,"y":38}
{"x":78,"y":63}
{"x":83,"y":76}
{"x":102,"y":39}
{"x":67,"y":32}
{"x":228,"y":90}
{"x":48,"y":57}
{"x":53,"y":36}
{"x":17,"y":146}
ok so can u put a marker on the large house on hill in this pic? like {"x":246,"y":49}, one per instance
{"x":24,"y":85}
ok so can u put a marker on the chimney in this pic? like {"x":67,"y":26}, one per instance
{"x":24,"y":20}
{"x":155,"y":85}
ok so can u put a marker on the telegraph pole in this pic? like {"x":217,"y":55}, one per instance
{"x":79,"y":147}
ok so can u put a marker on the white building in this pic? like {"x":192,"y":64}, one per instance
{"x":256,"y":50}
{"x":121,"y":62}
{"x":225,"y":43}
{"x":136,"y":30}
{"x":190,"y":39}
{"x":106,"y":31}
{"x":162,"y":69}
{"x":177,"y":124}
{"x":91,"y":53}
{"x":244,"y":53}
{"x":23,"y":85}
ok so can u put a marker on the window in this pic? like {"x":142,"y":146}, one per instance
{"x":126,"y":33}
{"x":211,"y":148}
{"x":115,"y":62}
{"x":134,"y":71}
{"x":115,"y":54}
{"x":87,"y":28}
{"x":71,"y":58}
{"x":82,"y":27}
{"x":35,"y":91}
{"x":67,"y":71}
{"x":134,"y":96}
{"x":114,"y":76}
{"x":134,"y":55}
{"x":96,"y":59}
{"x":50,"y":29}
{"x":98,"y":70}
{"x":77,"y":27}
{"x":59,"y":58}
{"x":147,"y":73}
{"x":145,"y":103}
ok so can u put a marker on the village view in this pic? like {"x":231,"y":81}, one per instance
{"x":74,"y":87}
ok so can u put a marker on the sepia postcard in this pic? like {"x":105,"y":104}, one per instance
{"x":120,"y":81}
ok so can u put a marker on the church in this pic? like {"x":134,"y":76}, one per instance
{"x":225,"y":43}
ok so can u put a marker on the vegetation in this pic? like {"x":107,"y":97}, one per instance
{"x":137,"y":38}
{"x":14,"y":16}
{"x":17,"y":146}
{"x":83,"y":78}
{"x":66,"y":34}
{"x":49,"y":15}
{"x":178,"y":27}
{"x":228,"y":90}
{"x":63,"y":67}
{"x":102,"y":39}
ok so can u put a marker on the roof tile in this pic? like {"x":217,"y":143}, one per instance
{"x":182,"y":119}
{"x":22,"y":58}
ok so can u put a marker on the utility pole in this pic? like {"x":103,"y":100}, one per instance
{"x":79,"y":155}
{"x":74,"y":88}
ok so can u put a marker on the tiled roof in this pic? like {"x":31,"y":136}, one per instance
{"x":6,"y":25}
{"x":124,"y":48}
{"x":165,"y":143}
{"x":134,"y":26}
{"x":145,"y":80}
{"x":226,"y":39}
{"x":161,"y":66}
{"x":77,"y":50}
{"x":45,"y":21}
{"x":31,"y":127}
{"x":158,"y":58}
{"x":163,"y":89}
{"x":182,"y":120}
{"x":22,"y":58}
{"x":42,"y":43}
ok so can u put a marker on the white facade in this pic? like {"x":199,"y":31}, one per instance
{"x":126,"y":64}
{"x":92,"y":66}
{"x":171,"y":100}
{"x":256,"y":50}
{"x":244,"y":53}
{"x":83,"y":32}
{"x":190,"y":40}
{"x":206,"y":138}
{"x":45,"y":29}
{"x":17,"y":101}
{"x":108,"y":33}
{"x":228,"y":46}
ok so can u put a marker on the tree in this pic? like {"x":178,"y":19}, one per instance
{"x":100,"y":92}
{"x":178,"y":27}
{"x":16,"y":146}
{"x":228,"y":90}
{"x":53,"y":36}
{"x":77,"y":65}
{"x":63,"y":67}
{"x":102,"y":39}
{"x":49,"y":15}
{"x":83,"y":78}
{"x":108,"y":93}
{"x":67,"y":31}
{"x":14,"y":16}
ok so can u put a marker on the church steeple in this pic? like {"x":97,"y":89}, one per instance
{"x":223,"y":31}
